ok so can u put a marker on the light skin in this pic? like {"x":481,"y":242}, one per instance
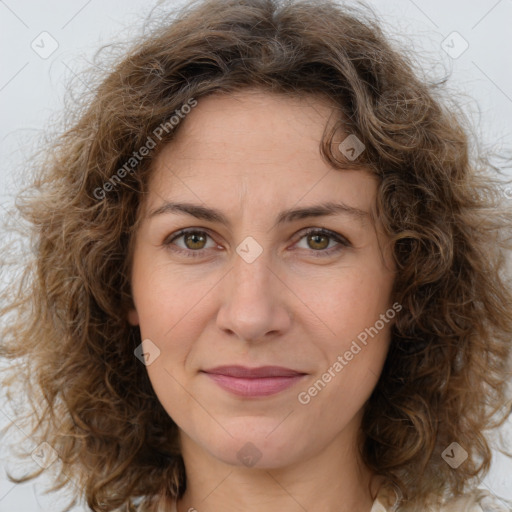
{"x":298,"y":305}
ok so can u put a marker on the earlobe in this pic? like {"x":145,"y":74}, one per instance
{"x":133,"y":317}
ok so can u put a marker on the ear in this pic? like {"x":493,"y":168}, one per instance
{"x":133,"y":317}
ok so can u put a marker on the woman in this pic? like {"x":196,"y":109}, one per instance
{"x":268,"y":276}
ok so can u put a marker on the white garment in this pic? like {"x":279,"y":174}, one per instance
{"x":476,"y":501}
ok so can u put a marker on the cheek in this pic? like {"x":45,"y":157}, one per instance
{"x":163,"y":296}
{"x":360,"y":314}
{"x":349,"y":301}
{"x":341,"y":387}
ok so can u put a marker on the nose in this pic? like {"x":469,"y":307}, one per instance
{"x":254,"y":301}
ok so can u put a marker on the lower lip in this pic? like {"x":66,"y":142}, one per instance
{"x":264,"y":386}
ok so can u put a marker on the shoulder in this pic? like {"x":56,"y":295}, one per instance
{"x":478,"y":500}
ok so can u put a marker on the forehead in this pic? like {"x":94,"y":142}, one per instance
{"x":268,"y":125}
{"x":255,"y":147}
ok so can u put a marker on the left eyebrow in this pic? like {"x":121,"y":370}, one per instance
{"x":286,"y":216}
{"x":320,"y":210}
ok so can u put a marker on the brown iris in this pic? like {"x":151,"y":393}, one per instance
{"x":195,"y":238}
{"x":316,"y":238}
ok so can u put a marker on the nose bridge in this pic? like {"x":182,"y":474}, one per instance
{"x":252,"y":303}
{"x":252,"y":275}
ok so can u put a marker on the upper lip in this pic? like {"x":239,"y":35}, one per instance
{"x":254,"y":373}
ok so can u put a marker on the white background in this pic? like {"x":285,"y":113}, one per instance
{"x":31,"y":88}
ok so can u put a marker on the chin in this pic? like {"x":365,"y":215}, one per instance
{"x":257,"y":446}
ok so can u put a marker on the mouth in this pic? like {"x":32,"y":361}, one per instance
{"x":254,"y":382}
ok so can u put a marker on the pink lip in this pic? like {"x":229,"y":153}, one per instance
{"x":263,"y":381}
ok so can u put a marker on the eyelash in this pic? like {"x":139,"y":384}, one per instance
{"x":342,"y":242}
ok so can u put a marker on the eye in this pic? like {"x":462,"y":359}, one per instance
{"x":318,"y":240}
{"x":195,"y":241}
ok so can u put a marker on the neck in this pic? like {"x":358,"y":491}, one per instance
{"x":333,"y":480}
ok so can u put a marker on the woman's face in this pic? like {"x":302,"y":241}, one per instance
{"x":249,"y":289}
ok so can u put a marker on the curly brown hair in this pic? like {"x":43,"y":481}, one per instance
{"x":65,"y":331}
